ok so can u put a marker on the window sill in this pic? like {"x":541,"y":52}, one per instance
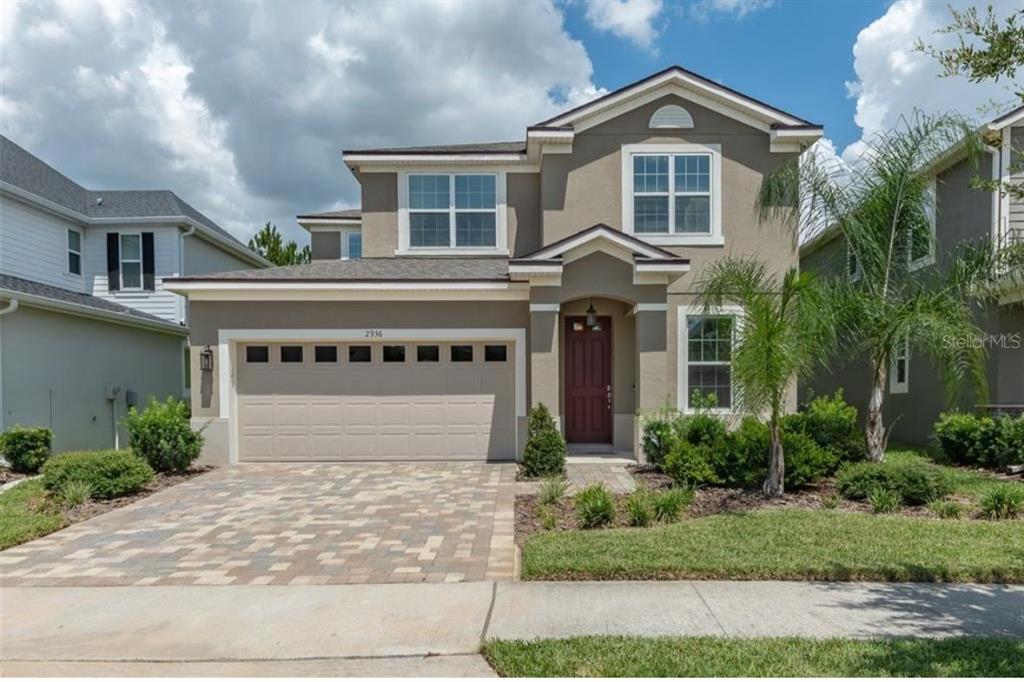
{"x":451,"y":252}
{"x":920,"y":263}
{"x":680,"y":239}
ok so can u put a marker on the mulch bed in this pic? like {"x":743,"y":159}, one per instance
{"x":160,"y":481}
{"x":7,"y":475}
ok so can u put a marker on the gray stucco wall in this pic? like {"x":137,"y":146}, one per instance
{"x":202,"y":257}
{"x":325,"y":245}
{"x":55,"y":367}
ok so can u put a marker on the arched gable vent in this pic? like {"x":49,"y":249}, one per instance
{"x":671,"y":116}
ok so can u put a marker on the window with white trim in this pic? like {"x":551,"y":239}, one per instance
{"x":131,"y":261}
{"x":853,"y":269}
{"x":74,"y":252}
{"x":921,"y":250}
{"x":899,"y":371}
{"x":707,"y":351}
{"x":457,"y":210}
{"x":672,"y":193}
{"x":355,"y":245}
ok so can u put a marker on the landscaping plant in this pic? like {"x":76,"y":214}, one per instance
{"x":26,"y":449}
{"x":75,"y":492}
{"x":957,"y":434}
{"x":884,"y":500}
{"x":544,"y":452}
{"x":595,"y":506}
{"x":669,"y":504}
{"x":111,"y":473}
{"x":830,"y":502}
{"x":946,"y":509}
{"x":832,"y":423}
{"x":639,"y":508}
{"x":547,"y":518}
{"x":689,"y":464}
{"x":916,"y":482}
{"x":1003,"y":502}
{"x":748,"y":455}
{"x":552,"y":489}
{"x":659,"y":434}
{"x":163,"y":436}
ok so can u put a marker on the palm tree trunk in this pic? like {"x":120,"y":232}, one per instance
{"x":875,"y":427}
{"x":773,"y":485}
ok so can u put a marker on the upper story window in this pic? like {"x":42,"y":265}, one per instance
{"x":131,"y":261}
{"x":922,"y":241}
{"x":899,"y":372}
{"x":449,"y":211}
{"x":355,"y":245}
{"x":74,"y":252}
{"x":672,"y":193}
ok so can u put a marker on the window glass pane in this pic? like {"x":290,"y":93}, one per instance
{"x":693,"y":214}
{"x":713,"y":379}
{"x":429,"y":229}
{"x":359,"y":354}
{"x":130,"y":249}
{"x":650,"y":173}
{"x":650,"y":214}
{"x":709,"y":339}
{"x":919,"y":242}
{"x":355,"y":245}
{"x":74,"y":241}
{"x":428,"y":353}
{"x":462,"y":353}
{"x":74,"y":263}
{"x":325,"y":353}
{"x":474,"y":191}
{"x":291,"y":353}
{"x":475,"y":229}
{"x":257,"y":354}
{"x":394,"y":353}
{"x":693,"y":173}
{"x":495,"y":353}
{"x":429,"y":192}
{"x":131,"y":275}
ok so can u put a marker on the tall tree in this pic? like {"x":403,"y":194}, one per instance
{"x":783,"y":333}
{"x":269,"y":243}
{"x":883,"y":207}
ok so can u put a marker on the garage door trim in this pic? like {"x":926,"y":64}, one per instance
{"x":229,"y":338}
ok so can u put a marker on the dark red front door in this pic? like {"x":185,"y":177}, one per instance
{"x":588,"y":381}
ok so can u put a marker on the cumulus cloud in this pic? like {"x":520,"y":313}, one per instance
{"x":706,"y":9}
{"x":243,"y":109}
{"x":632,"y":20}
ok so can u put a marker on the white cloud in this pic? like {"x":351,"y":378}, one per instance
{"x":705,"y":9}
{"x":243,"y":108}
{"x":629,"y":19}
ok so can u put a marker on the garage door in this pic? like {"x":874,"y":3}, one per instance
{"x":381,"y":401}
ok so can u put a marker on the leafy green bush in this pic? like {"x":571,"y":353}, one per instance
{"x":957,"y":433}
{"x":162,"y":435}
{"x":111,"y":473}
{"x":552,"y":489}
{"x":639,"y":509}
{"x":981,"y":441}
{"x":595,"y":506}
{"x":668,"y":504}
{"x":830,"y":502}
{"x":1002,"y":502}
{"x":75,"y":492}
{"x":544,"y":453}
{"x":658,"y":437}
{"x":884,"y":500}
{"x":26,"y":449}
{"x":689,"y":464}
{"x":916,"y":482}
{"x":746,"y":462}
{"x":831,"y":423}
{"x":946,"y":509}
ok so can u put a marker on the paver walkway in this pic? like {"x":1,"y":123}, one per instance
{"x":291,"y":524}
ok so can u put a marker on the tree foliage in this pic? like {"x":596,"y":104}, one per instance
{"x":269,"y":243}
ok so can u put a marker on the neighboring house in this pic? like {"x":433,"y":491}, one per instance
{"x":334,"y":235}
{"x":916,"y":393}
{"x":86,"y":326}
{"x":559,"y":269}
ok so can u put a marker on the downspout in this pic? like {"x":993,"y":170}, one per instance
{"x":12,"y":305}
{"x":183,"y":312}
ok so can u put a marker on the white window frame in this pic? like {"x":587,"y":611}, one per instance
{"x":500,"y":209}
{"x":929,"y":258}
{"x":348,"y":243}
{"x":858,"y":271}
{"x":67,"y":260}
{"x":683,"y":313}
{"x":715,"y":236}
{"x":896,"y":386}
{"x":121,"y":260}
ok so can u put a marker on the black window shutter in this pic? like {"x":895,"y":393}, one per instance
{"x":113,"y":262}
{"x":148,"y":281}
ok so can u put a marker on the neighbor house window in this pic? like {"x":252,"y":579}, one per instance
{"x":708,"y":343}
{"x":355,"y":245}
{"x":131,"y":261}
{"x":672,"y":193}
{"x":459,"y":210}
{"x":74,"y":252}
{"x":899,"y":379}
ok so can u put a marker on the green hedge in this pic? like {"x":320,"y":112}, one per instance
{"x":110,"y":473}
{"x":26,"y":449}
{"x":916,"y":482}
{"x":981,"y":441}
{"x":544,"y":452}
{"x":162,"y":435}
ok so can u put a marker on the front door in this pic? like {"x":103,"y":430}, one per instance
{"x":588,"y":381}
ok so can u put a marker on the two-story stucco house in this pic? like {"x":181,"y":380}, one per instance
{"x":559,"y":269}
{"x":87,"y":328}
{"x":962,"y":213}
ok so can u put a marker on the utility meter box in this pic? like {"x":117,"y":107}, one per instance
{"x":111,"y":392}
{"x":131,"y":398}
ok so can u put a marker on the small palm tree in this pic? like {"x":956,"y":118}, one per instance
{"x":782,"y":335}
{"x":883,"y":206}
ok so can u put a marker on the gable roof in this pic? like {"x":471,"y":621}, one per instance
{"x":345,"y":214}
{"x":516,"y":147}
{"x":600,"y":231}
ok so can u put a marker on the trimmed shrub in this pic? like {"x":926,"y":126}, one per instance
{"x":639,"y":509}
{"x":831,"y":423}
{"x":981,"y":441}
{"x":689,"y":464}
{"x":1003,"y":502}
{"x":703,"y":429}
{"x":658,"y":438}
{"x":162,"y":435}
{"x":668,"y":505}
{"x":916,"y":482}
{"x":746,"y":462}
{"x":957,"y":433}
{"x":595,"y":506}
{"x":884,"y":501}
{"x":552,"y":489}
{"x":544,"y":452}
{"x":111,"y":473}
{"x":26,"y":449}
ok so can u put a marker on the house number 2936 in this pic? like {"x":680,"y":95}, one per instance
{"x":373,"y":334}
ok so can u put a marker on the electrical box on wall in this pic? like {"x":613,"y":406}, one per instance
{"x":111,"y":392}
{"x":131,"y":398}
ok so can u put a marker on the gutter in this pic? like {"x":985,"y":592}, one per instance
{"x":12,"y":305}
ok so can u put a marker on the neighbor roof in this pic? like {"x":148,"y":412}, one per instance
{"x":516,"y":147}
{"x":348,"y":213}
{"x":370,"y":270}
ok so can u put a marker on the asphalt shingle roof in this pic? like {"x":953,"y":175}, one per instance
{"x":372,"y":269}
{"x":17,"y":285}
{"x":517,"y":147}
{"x":346,"y":213}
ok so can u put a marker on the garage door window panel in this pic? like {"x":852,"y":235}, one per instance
{"x":360,"y":354}
{"x":291,"y":355}
{"x":495,"y":353}
{"x":461,"y":353}
{"x":325,"y":354}
{"x":257,"y":354}
{"x":428,"y":354}
{"x":394,"y":353}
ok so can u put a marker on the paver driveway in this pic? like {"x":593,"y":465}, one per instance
{"x":291,"y":524}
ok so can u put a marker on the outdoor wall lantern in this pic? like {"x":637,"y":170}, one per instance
{"x":591,"y":315}
{"x":206,"y":359}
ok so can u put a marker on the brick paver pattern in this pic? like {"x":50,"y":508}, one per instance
{"x":291,"y":524}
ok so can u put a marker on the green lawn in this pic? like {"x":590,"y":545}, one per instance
{"x":786,"y":544}
{"x":21,"y":520}
{"x":788,"y":657}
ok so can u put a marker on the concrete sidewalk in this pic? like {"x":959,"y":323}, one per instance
{"x":385,"y":629}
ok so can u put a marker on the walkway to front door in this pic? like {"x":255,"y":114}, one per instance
{"x":588,"y":380}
